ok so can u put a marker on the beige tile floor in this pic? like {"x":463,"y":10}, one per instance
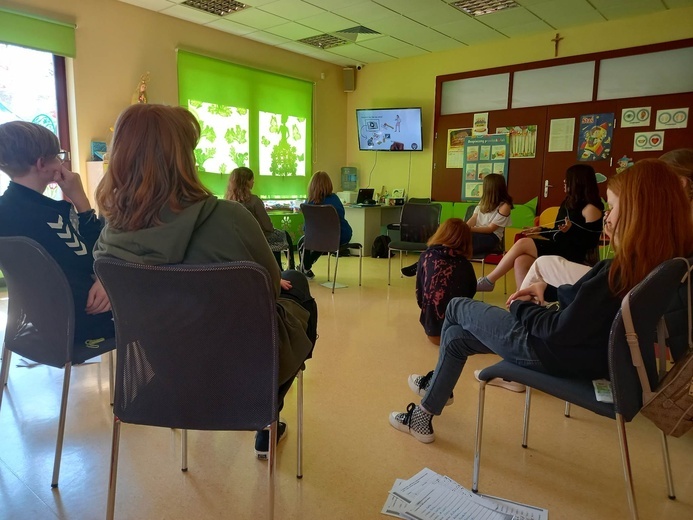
{"x":370,"y":340}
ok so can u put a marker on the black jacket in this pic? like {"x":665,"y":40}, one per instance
{"x":25,"y":212}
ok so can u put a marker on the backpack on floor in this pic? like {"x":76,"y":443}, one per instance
{"x":380,"y":246}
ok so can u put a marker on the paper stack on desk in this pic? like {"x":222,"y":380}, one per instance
{"x":430,"y":496}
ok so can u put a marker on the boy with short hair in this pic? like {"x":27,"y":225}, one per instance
{"x":31,"y":156}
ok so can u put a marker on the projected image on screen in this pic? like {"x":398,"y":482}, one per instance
{"x":282,"y":145}
{"x":223,"y":142}
{"x":389,"y":129}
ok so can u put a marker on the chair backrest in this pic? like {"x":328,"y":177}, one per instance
{"x":419,"y":200}
{"x":419,"y":222}
{"x":197,"y":344}
{"x":470,"y":211}
{"x":322,"y":231}
{"x":41,"y":313}
{"x":547,"y":218}
{"x":651,"y":299}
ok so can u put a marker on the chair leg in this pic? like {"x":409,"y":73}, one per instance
{"x":4,"y":371}
{"x":566,"y":412}
{"x":115,"y":444}
{"x":389,"y":266}
{"x":625,"y":458}
{"x":477,"y":442}
{"x":667,"y":466}
{"x":184,"y":450}
{"x":400,"y":264}
{"x":525,"y":425}
{"x":334,"y":280}
{"x":360,"y":263}
{"x":111,"y":377}
{"x":61,"y":425}
{"x":299,"y":420}
{"x":272,"y":466}
{"x":329,"y":258}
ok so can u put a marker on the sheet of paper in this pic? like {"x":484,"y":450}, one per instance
{"x":521,"y":511}
{"x":562,"y":135}
{"x":395,"y":506}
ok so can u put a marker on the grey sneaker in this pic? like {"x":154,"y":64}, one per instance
{"x":415,"y":422}
{"x":483,"y":284}
{"x":419,"y":384}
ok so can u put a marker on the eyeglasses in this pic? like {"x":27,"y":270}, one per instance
{"x":63,"y":155}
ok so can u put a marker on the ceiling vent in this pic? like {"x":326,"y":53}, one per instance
{"x":218,"y":7}
{"x":324,"y":41}
{"x":482,"y":7}
{"x":356,"y":34}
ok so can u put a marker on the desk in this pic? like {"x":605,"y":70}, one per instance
{"x":367,"y":222}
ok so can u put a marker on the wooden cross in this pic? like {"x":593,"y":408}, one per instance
{"x":555,"y":40}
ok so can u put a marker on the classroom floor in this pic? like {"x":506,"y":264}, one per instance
{"x":370,"y":341}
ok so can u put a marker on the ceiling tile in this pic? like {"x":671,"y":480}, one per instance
{"x":566,"y":13}
{"x":508,"y":18}
{"x":435,"y":14}
{"x":359,"y":54}
{"x":190,"y":14}
{"x":256,"y":18}
{"x":327,"y":22}
{"x":674,"y":4}
{"x":293,"y":31}
{"x":469,"y":32}
{"x":404,"y":6}
{"x":249,"y":3}
{"x":393,"y":47}
{"x":231,"y":27}
{"x":615,"y":9}
{"x":265,"y":37}
{"x":154,"y":5}
{"x":441,"y":44}
{"x":291,"y":9}
{"x":364,"y":12}
{"x":332,"y":5}
{"x":526,"y":28}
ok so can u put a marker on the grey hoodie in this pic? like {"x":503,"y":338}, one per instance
{"x":213,"y":231}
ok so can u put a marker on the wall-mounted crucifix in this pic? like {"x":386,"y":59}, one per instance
{"x":555,"y":40}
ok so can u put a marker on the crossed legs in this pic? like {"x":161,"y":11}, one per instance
{"x":521,"y":257}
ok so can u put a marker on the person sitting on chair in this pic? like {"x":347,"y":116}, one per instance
{"x":572,"y":341}
{"x":239,"y":189}
{"x":158,"y":212}
{"x":320,"y":192}
{"x":576,"y":231}
{"x":491,"y":216}
{"x":444,"y":272}
{"x":30,"y":155}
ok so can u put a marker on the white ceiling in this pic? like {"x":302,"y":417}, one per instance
{"x":406,"y":27}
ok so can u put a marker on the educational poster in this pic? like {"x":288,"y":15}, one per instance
{"x":480,"y":124}
{"x":523,"y":140}
{"x":561,"y":135}
{"x":672,"y":118}
{"x":456,"y":146}
{"x":648,"y":141}
{"x":594,"y":137}
{"x":483,"y":155}
{"x":623,"y":163}
{"x":636,"y":116}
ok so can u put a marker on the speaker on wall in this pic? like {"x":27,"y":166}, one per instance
{"x":349,"y":77}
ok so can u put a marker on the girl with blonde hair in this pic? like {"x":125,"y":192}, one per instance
{"x":648,"y":222}
{"x":158,"y":212}
{"x":241,"y":183}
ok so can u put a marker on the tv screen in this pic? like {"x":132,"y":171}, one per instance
{"x":390,"y":129}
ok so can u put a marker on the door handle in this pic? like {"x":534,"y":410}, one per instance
{"x":546,"y":188}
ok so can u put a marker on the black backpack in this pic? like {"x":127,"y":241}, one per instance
{"x":380,"y":249}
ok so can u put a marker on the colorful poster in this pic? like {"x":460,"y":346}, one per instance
{"x":648,"y":141}
{"x":561,"y":135}
{"x":672,"y":118}
{"x":523,"y":140}
{"x":480,"y":126}
{"x":483,"y":155}
{"x":636,"y":116}
{"x":456,"y":146}
{"x":594,"y":138}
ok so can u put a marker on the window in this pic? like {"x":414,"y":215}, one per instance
{"x":248,"y":118}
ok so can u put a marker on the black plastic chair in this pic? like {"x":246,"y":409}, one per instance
{"x":649,"y":301}
{"x":417,"y":224}
{"x":412,"y":200}
{"x":41,"y":321}
{"x":197,"y":349}
{"x":322,"y":234}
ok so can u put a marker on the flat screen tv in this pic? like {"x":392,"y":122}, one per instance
{"x":390,"y":129}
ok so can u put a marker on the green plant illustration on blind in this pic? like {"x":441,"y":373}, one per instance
{"x":282,"y":145}
{"x":224,"y":141}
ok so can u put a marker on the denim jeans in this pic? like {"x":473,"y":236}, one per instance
{"x":474,"y":327}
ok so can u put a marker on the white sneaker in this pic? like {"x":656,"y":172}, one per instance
{"x":419,"y":384}
{"x":415,"y":422}
{"x":503,"y":383}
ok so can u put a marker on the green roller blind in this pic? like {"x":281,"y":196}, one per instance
{"x":249,"y":118}
{"x":37,"y":33}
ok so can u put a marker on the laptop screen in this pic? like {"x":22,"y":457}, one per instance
{"x":364,"y":195}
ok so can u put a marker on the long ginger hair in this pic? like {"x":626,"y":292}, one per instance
{"x":320,"y":187}
{"x":654,"y":222}
{"x":152,"y":167}
{"x":455,"y":234}
{"x":238,"y":188}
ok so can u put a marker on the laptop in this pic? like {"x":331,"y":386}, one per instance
{"x":365,"y":194}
